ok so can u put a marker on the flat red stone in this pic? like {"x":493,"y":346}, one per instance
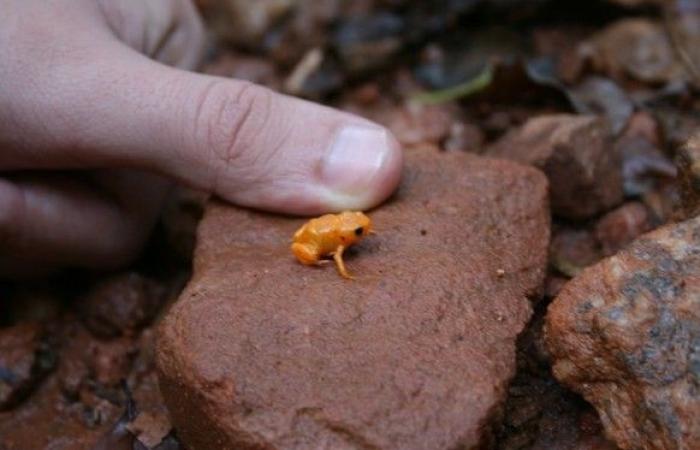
{"x":417,"y":352}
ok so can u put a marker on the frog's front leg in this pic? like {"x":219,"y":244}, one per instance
{"x":338,"y":258}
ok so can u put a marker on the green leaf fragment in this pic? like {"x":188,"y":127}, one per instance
{"x":462,"y":90}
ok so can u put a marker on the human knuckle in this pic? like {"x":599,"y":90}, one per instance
{"x":231,"y":117}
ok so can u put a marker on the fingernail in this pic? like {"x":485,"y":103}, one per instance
{"x":356,"y":161}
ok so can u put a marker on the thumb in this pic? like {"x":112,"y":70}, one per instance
{"x":258,"y":148}
{"x":243,"y":142}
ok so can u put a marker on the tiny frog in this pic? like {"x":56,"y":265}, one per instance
{"x":330,"y":235}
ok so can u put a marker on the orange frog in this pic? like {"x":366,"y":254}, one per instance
{"x":330,"y":235}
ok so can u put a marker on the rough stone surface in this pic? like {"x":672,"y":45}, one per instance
{"x":688,"y":161}
{"x":637,"y":48}
{"x":626,"y":335}
{"x":414,"y":124}
{"x":24,"y":361}
{"x":621,"y":226}
{"x":576,"y":154}
{"x":110,"y":362}
{"x":572,"y":249}
{"x":417,"y":352}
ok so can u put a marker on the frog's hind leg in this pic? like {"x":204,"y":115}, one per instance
{"x":306,"y":254}
{"x":338,"y":258}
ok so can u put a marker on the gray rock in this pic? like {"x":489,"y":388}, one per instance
{"x":625,"y":334}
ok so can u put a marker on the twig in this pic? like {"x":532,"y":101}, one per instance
{"x":304,"y":69}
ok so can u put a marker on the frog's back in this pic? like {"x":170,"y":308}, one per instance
{"x":317,"y":230}
{"x":325,"y":231}
{"x":325,"y":224}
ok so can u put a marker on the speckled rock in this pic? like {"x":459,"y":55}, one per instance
{"x":626,"y":335}
{"x":576,"y":154}
{"x":417,"y":352}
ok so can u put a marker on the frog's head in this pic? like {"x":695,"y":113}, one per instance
{"x":354,"y":226}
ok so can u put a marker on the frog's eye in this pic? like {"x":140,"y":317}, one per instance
{"x":358,"y":231}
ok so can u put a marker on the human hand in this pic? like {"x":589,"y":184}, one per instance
{"x":93,"y":121}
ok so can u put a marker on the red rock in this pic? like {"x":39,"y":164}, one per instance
{"x":643,"y":125}
{"x":24,"y":360}
{"x":110,"y":362}
{"x":121,"y":304}
{"x":625,"y":334}
{"x":636,"y":48}
{"x":72,"y":374}
{"x":262,"y":352}
{"x":413,"y":124}
{"x":573,"y":249}
{"x":576,"y":155}
{"x":621,"y":226}
{"x":73,"y":371}
{"x":688,"y":161}
{"x":465,"y":137}
{"x":416,"y":124}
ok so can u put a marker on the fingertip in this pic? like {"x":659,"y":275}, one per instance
{"x":361,"y":168}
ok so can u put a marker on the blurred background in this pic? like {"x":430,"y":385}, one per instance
{"x":76,"y":351}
